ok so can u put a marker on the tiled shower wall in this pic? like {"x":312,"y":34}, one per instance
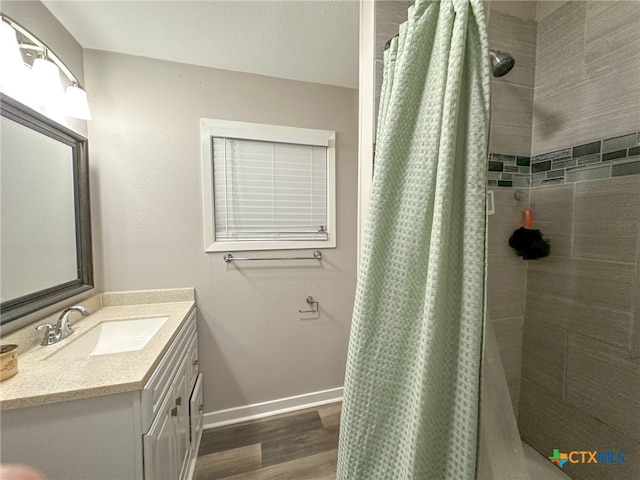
{"x":587,"y":78}
{"x":580,"y":385}
{"x":506,"y":284}
{"x":511,"y":28}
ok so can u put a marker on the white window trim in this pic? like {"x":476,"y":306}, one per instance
{"x":273,"y":133}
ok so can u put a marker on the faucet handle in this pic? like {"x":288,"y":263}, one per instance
{"x":49,"y":334}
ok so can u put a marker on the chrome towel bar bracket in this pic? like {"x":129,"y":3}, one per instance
{"x":227,"y":257}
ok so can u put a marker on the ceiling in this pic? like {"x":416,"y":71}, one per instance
{"x":312,"y":41}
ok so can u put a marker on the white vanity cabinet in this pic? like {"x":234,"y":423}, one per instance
{"x":151,"y":433}
{"x":168,"y":442}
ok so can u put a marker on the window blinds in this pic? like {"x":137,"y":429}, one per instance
{"x":269,"y":190}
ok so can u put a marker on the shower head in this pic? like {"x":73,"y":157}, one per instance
{"x":501,"y":63}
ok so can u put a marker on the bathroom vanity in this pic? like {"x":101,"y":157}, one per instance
{"x":127,"y":407}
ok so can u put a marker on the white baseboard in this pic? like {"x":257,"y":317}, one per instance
{"x":273,"y":407}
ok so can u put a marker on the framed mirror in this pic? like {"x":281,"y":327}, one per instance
{"x":45,"y":232}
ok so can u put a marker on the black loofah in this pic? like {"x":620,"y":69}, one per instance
{"x":529,"y":244}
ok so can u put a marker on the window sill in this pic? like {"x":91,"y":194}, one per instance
{"x":290,"y":245}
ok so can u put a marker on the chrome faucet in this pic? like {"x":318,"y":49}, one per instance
{"x":62,"y":329}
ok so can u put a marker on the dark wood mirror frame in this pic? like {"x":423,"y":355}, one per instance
{"x":21,"y":306}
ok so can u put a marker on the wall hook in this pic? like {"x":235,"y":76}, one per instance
{"x":518,"y":195}
{"x":315,"y":306}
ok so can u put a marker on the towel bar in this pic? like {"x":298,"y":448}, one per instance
{"x":317,"y":255}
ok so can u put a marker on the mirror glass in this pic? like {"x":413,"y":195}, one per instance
{"x":45,"y":245}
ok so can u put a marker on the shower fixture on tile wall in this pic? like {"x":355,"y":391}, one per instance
{"x":501,"y":63}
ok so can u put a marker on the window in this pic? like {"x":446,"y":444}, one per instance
{"x":267,"y":187}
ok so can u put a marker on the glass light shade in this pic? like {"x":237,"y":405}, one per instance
{"x":12,"y":68}
{"x":46,"y":88}
{"x":76,"y":104}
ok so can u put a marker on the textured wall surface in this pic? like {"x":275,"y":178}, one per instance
{"x":145,"y":149}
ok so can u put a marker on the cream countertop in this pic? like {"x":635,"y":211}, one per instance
{"x":41,"y":380}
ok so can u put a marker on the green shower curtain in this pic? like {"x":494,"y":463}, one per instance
{"x":411,"y":398}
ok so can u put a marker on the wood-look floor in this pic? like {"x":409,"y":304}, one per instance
{"x":300,"y":445}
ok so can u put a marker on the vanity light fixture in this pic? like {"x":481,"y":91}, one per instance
{"x":38,"y":84}
{"x":12,"y":73}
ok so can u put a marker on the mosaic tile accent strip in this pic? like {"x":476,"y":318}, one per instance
{"x":614,"y":155}
{"x":611,"y":157}
{"x":508,"y":171}
{"x":620,"y":143}
{"x":626,"y":167}
{"x":587,"y":149}
{"x":496,"y":166}
{"x":557,"y":155}
{"x":541,"y":166}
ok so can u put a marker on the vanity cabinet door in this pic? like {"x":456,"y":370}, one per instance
{"x":166,"y":446}
{"x":168,"y":452}
{"x":196,"y":414}
{"x":160,"y":449}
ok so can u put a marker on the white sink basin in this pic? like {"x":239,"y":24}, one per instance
{"x":115,"y":336}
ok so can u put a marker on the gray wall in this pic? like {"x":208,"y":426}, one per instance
{"x":145,"y":150}
{"x":580,"y":371}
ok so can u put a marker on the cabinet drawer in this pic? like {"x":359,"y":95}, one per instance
{"x":158,"y":445}
{"x":160,"y":381}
